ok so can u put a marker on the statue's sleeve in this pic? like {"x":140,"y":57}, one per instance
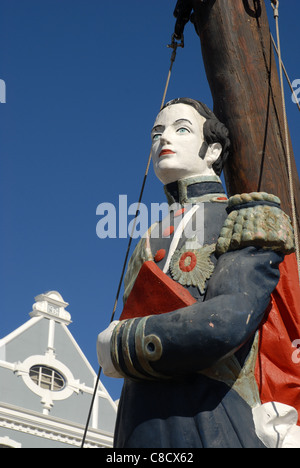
{"x":195,"y":337}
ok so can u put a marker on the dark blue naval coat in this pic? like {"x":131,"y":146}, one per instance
{"x":188,"y":382}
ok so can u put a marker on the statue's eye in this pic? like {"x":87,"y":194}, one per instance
{"x":183,"y":130}
{"x":156,"y":136}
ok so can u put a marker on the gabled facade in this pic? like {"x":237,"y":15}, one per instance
{"x":46,"y":385}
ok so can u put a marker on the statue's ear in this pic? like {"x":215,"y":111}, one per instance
{"x":213,"y":153}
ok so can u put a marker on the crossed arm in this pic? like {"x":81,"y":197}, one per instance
{"x":195,"y":337}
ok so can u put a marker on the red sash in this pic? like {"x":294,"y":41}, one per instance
{"x":277,"y":372}
{"x":155,"y":293}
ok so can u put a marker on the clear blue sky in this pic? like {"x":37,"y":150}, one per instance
{"x":84,"y":82}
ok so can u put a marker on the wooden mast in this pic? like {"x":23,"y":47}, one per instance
{"x":242,"y":74}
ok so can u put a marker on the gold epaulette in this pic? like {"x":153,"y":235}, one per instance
{"x":256,"y":219}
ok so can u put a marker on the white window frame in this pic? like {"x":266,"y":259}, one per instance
{"x":47,"y":396}
{"x":44,"y":380}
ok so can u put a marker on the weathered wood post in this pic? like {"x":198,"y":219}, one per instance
{"x":243,"y":77}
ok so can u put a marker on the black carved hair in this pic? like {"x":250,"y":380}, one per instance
{"x":214,"y":131}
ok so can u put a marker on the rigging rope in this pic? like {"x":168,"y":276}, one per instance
{"x":174,"y":45}
{"x":275,"y":6}
{"x":286,"y":74}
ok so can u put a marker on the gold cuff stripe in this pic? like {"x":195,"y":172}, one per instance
{"x":143,"y":353}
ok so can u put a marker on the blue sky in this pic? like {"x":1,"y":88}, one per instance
{"x":84,"y":82}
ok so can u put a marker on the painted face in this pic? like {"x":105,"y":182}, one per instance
{"x":177,"y":137}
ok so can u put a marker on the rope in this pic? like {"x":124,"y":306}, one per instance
{"x":174,"y":46}
{"x":275,"y":6}
{"x":286,"y":75}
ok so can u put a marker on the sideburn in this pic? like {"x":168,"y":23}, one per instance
{"x":203,"y":150}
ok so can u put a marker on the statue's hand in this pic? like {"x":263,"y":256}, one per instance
{"x":103,"y":351}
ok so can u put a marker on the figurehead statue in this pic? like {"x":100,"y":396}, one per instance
{"x":186,"y":343}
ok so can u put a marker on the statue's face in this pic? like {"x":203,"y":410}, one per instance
{"x":177,"y":137}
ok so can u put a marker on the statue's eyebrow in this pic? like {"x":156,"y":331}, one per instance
{"x":184,"y":120}
{"x":157,"y":128}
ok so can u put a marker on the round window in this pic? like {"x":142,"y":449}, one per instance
{"x":47,"y":378}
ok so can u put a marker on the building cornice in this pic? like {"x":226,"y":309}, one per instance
{"x":55,"y":429}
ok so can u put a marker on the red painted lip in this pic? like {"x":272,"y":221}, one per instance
{"x":166,"y":151}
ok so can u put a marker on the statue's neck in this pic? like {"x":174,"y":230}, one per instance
{"x":194,"y":189}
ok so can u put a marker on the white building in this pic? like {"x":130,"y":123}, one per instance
{"x":46,"y":385}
